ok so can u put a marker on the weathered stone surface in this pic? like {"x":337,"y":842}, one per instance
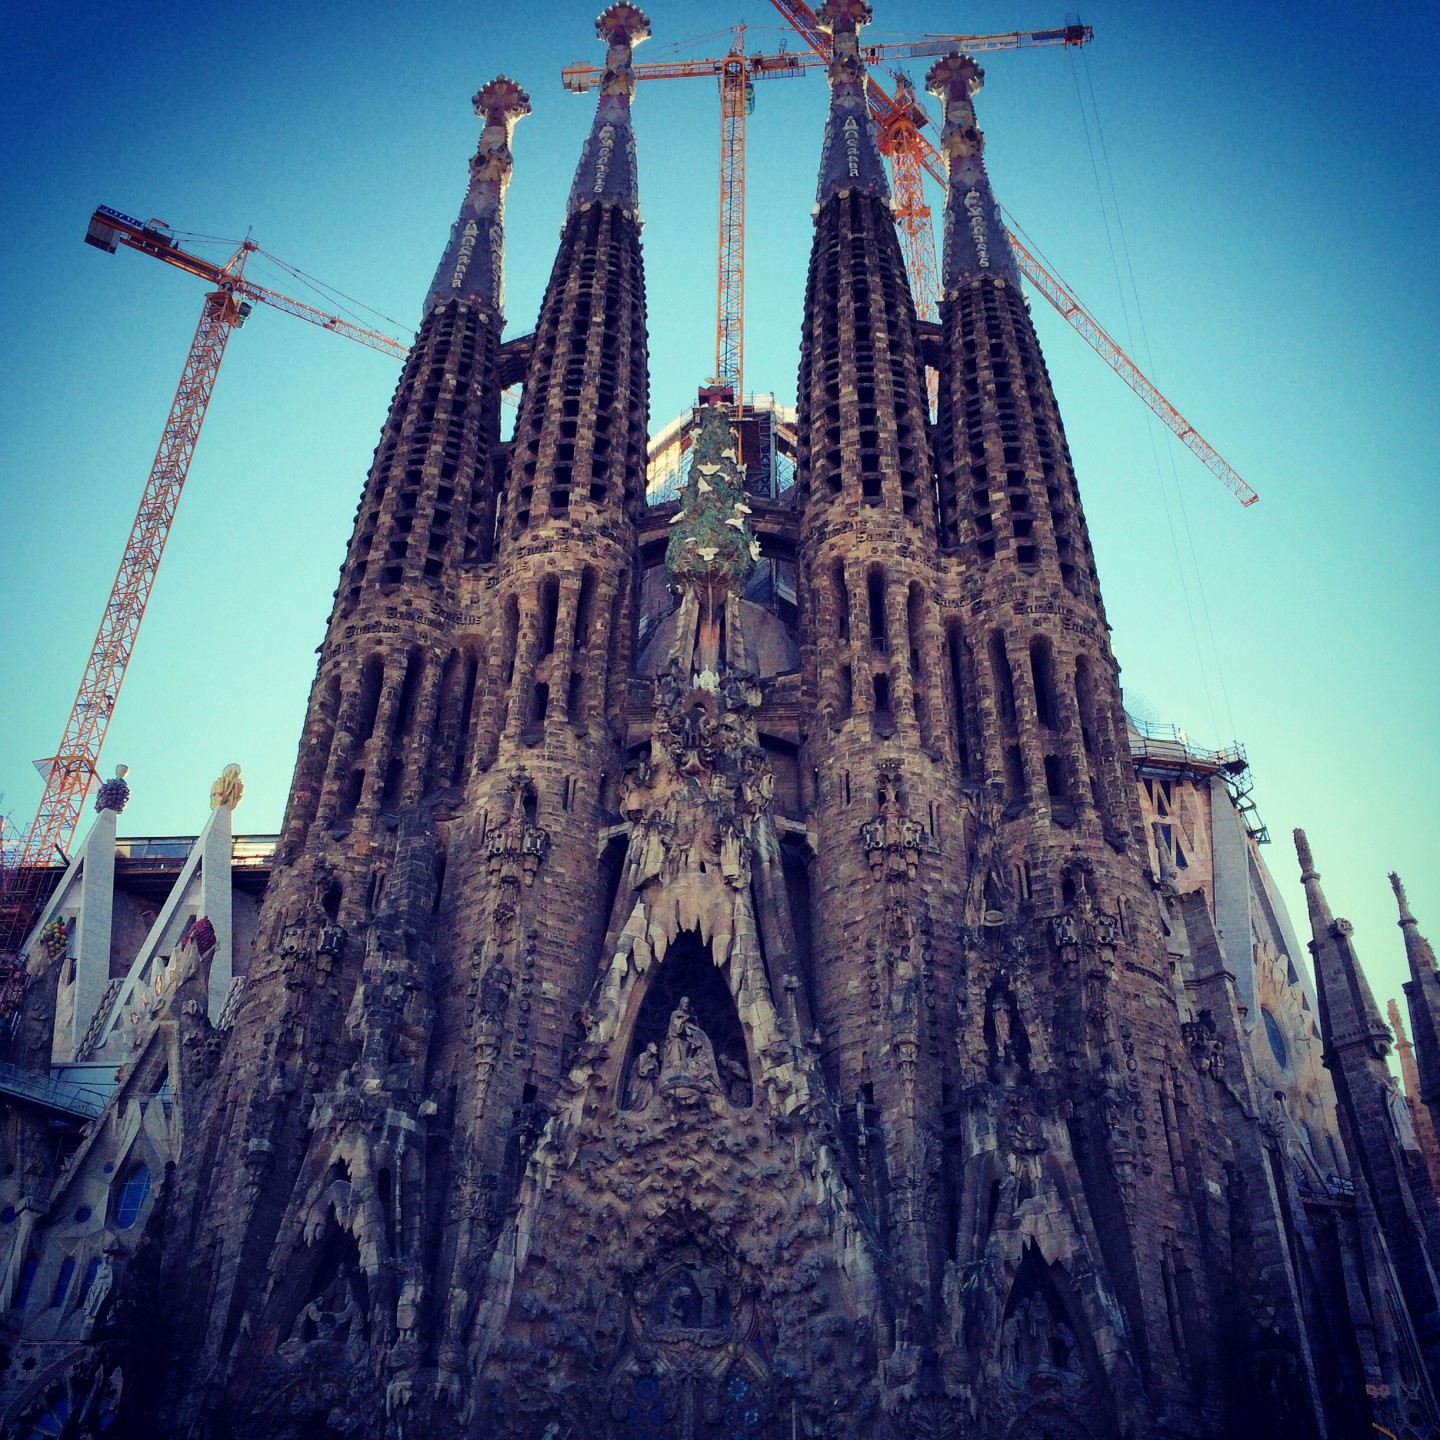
{"x":800,"y":1026}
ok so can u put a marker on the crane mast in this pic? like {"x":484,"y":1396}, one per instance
{"x":735,"y":98}
{"x":70,"y":771}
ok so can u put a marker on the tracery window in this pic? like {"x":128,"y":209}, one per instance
{"x":131,"y":1197}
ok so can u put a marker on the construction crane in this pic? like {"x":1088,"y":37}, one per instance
{"x":736,"y":72}
{"x":900,"y":118}
{"x":71,"y":770}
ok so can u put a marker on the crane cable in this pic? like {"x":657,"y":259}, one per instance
{"x":1134,"y":295}
{"x":363,"y":314}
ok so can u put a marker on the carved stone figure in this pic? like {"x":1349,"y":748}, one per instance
{"x":99,"y":1291}
{"x":641,"y":1090}
{"x":689,"y":1056}
{"x":1401,"y":1120}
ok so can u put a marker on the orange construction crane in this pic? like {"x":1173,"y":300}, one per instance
{"x":900,"y":118}
{"x":71,"y":770}
{"x":737,"y":72}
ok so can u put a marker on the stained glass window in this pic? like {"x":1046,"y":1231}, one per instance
{"x":645,"y":1411}
{"x":132,"y":1197}
{"x":741,"y":1415}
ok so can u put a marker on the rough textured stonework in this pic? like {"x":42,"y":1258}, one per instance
{"x":687,"y":1006}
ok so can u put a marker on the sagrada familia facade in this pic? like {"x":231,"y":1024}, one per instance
{"x":686,"y":1008}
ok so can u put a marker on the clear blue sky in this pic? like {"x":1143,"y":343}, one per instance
{"x":1274,"y":172}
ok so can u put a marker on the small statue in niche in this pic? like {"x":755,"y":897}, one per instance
{"x":688,"y":1056}
{"x":641,"y":1090}
{"x":1401,"y":1121}
{"x":100,"y":1286}
{"x":333,"y":1314}
{"x":1029,"y":1334}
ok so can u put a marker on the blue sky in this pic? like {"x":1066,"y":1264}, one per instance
{"x":1278,"y":208}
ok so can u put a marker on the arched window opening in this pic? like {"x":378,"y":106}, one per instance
{"x":131,"y":1197}
{"x":842,"y":601}
{"x":549,"y":614}
{"x":509,"y":634}
{"x":875,"y":595}
{"x":1042,"y":672}
{"x":688,"y":1031}
{"x":27,"y":1282}
{"x":371,"y":680}
{"x":350,"y":796}
{"x":460,"y":766}
{"x":584,"y":608}
{"x":62,"y":1283}
{"x":1054,"y":778}
{"x":959,"y":684}
{"x":1004,"y":681}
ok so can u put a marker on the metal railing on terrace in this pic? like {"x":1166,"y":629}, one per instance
{"x":1170,"y":746}
{"x":249,"y":852}
{"x":39,"y":1088}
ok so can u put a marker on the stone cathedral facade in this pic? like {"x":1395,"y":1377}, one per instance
{"x":685,"y":1008}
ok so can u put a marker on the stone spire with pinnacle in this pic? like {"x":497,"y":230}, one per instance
{"x":975,"y":240}
{"x":1419,"y":1111}
{"x":1357,"y":1042}
{"x":473,"y":265}
{"x":1348,"y":1010}
{"x":1422,"y":991}
{"x":608,"y":172}
{"x":850,"y":160}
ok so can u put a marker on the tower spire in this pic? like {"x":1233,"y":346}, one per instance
{"x":1422,"y":991}
{"x":975,"y":240}
{"x":850,"y":159}
{"x":473,"y":263}
{"x":1348,"y":1010}
{"x":1357,"y":1043}
{"x":607,"y":172}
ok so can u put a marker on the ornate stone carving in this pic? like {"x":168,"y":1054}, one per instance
{"x":114,"y":794}
{"x":892,"y":841}
{"x":693,"y":806}
{"x":517,"y":846}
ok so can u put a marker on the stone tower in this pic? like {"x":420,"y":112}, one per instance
{"x":713,"y":982}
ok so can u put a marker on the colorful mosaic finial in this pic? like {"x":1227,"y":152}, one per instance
{"x":975,"y":241}
{"x":712,"y":548}
{"x":473,"y":265}
{"x":607,"y":173}
{"x":850,"y":160}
